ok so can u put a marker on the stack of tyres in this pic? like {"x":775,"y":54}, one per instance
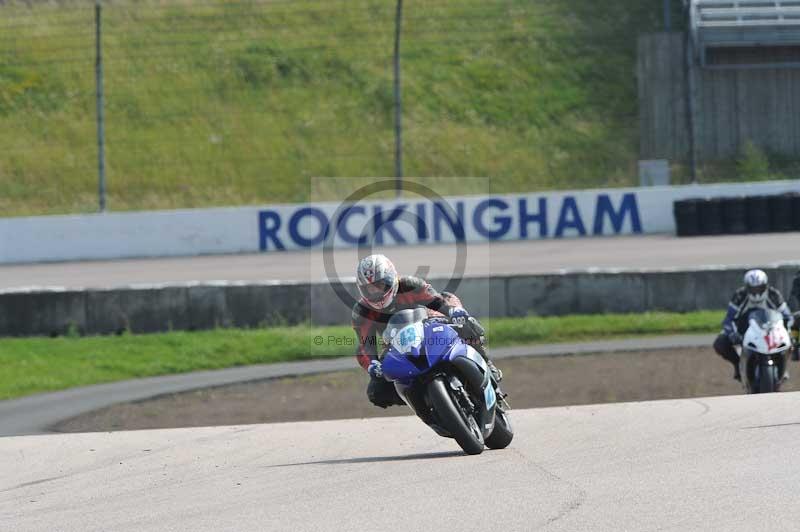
{"x":758,"y":217}
{"x":734,"y":215}
{"x":710,"y":217}
{"x":780,"y":213}
{"x":737,"y":215}
{"x":686,"y":216}
{"x":795,"y":199}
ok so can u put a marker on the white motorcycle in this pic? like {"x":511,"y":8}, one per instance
{"x":764,"y":348}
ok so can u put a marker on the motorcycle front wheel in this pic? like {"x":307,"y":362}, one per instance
{"x":460,"y":424}
{"x":767,"y":379}
{"x":502,"y":434}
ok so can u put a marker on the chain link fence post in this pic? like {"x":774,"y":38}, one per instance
{"x":667,"y":16}
{"x":398,"y":103}
{"x":98,"y":71}
{"x":690,"y":94}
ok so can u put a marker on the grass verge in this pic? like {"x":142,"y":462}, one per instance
{"x":226,"y":103}
{"x":34,"y":365}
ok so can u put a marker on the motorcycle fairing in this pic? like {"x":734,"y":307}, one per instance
{"x":437,"y":342}
{"x":440,"y":343}
{"x":766,"y":333}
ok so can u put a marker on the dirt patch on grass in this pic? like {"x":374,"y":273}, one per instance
{"x":531,"y":382}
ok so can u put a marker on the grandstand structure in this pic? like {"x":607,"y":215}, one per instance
{"x":746,"y":33}
{"x":730,"y":81}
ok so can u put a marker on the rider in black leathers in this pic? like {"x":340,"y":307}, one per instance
{"x":756,"y":293}
{"x":794,"y":302}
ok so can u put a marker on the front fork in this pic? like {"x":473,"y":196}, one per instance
{"x":744,"y":358}
{"x":472,"y":367}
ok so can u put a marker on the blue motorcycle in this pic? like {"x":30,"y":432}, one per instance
{"x":445,"y":381}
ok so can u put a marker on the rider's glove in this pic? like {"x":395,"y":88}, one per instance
{"x":734,"y":337}
{"x":458,"y":315}
{"x":375,"y":369}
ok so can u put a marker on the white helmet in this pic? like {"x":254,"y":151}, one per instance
{"x":377,"y":281}
{"x":756,"y":283}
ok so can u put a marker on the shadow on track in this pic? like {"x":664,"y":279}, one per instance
{"x":372,"y":459}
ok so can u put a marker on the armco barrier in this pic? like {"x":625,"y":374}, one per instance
{"x":144,"y":309}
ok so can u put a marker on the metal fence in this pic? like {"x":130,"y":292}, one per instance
{"x":215,"y":103}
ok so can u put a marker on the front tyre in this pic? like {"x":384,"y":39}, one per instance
{"x":503,"y":432}
{"x":460,"y":424}
{"x":767,"y":379}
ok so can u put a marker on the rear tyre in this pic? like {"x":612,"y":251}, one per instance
{"x":503,"y":432}
{"x":462,"y":426}
{"x":767,"y":379}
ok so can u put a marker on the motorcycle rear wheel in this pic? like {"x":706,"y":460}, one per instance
{"x":454,"y":419}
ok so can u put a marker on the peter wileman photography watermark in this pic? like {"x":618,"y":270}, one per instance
{"x":377,"y":221}
{"x":371,"y":219}
{"x":351,"y":340}
{"x":335,"y":340}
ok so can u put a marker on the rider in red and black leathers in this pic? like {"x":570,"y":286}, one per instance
{"x":369,"y":324}
{"x":383,"y":293}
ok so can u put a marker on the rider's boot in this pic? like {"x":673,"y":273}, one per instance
{"x":733,"y":357}
{"x":496,"y":373}
{"x":494,"y":370}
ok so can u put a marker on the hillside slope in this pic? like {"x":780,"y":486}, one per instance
{"x":220,"y":103}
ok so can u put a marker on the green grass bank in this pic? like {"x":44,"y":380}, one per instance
{"x":34,"y":365}
{"x":228,"y":102}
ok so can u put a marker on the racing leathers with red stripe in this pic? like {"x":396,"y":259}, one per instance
{"x":369,"y":324}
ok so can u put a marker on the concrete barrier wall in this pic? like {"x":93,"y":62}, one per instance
{"x":246,"y":305}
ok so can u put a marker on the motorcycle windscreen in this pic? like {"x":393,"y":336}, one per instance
{"x":765,"y":318}
{"x":403,"y":360}
{"x":400,"y":320}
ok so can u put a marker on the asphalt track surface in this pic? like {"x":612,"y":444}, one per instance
{"x":723,"y":463}
{"x":35,"y":414}
{"x":655,"y":252}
